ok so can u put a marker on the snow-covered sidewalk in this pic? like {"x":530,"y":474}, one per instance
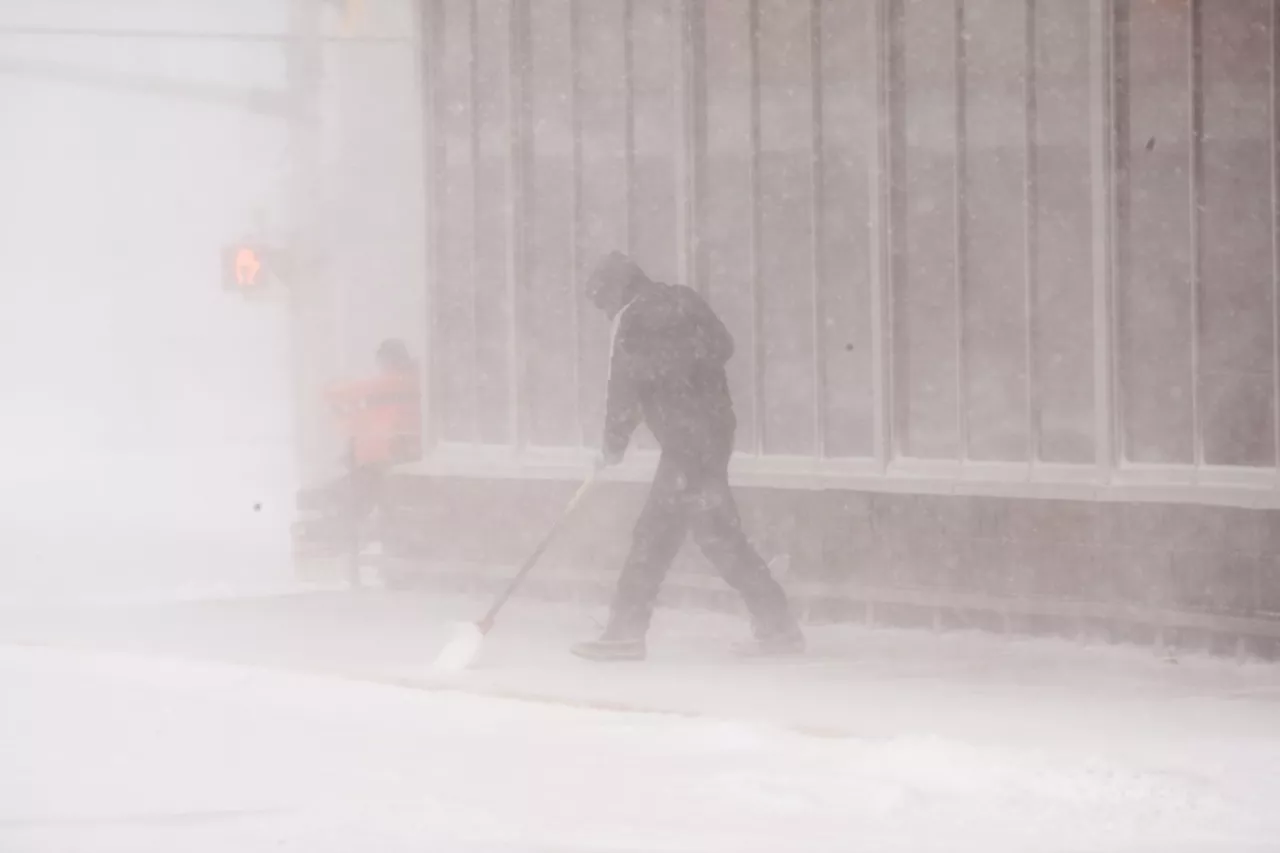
{"x":314,"y":719}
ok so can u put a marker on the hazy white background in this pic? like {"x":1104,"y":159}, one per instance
{"x":143,"y":405}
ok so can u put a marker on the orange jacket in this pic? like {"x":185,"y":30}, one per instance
{"x":380,"y":417}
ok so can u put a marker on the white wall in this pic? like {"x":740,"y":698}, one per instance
{"x":138,"y":396}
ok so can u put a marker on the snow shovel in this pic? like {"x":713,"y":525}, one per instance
{"x":464,"y":648}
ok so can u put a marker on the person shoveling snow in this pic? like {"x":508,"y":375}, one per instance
{"x":667,"y":369}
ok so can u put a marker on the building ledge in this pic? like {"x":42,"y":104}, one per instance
{"x":1250,"y":488}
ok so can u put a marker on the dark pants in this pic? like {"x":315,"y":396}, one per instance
{"x":339,"y":508}
{"x":366,"y":491}
{"x":690,"y":493}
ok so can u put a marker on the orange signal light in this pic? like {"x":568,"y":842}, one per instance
{"x":352,"y":16}
{"x":247,"y":267}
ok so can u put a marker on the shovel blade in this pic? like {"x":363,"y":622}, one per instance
{"x":461,"y":650}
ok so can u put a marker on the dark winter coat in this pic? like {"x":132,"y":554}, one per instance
{"x":667,"y":369}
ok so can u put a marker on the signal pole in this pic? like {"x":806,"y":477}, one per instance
{"x":307,"y":286}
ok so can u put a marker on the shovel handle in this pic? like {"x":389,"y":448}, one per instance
{"x":487,"y":622}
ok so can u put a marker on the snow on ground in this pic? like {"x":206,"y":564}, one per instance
{"x":110,"y":753}
{"x":99,"y":527}
{"x":284,"y":723}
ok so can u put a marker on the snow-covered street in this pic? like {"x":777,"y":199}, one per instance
{"x":302,"y":722}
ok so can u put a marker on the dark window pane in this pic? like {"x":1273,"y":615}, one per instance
{"x":454,"y":343}
{"x":548,"y":313}
{"x":1236,"y":314}
{"x":1154,"y":286}
{"x":924,"y":199}
{"x":655,"y":69}
{"x":603,"y":204}
{"x":1063,"y":271}
{"x":994,"y":236}
{"x":848,"y":162}
{"x":494,"y":392}
{"x":725,"y":227}
{"x":786,"y":227}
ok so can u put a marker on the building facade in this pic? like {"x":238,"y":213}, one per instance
{"x":975,"y":241}
{"x":1002,"y":277}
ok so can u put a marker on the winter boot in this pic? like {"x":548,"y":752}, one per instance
{"x":786,"y":641}
{"x":613,"y":645}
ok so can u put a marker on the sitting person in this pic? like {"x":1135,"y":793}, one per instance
{"x":380,"y":419}
{"x":381,"y":415}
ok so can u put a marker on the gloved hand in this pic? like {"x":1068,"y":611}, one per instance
{"x":607,"y":458}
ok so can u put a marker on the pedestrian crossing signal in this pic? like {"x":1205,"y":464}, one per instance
{"x":351,"y":15}
{"x":244,"y":269}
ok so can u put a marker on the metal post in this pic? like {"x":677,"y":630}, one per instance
{"x":1196,"y":193}
{"x":693,"y":108}
{"x":758,"y":345}
{"x":575,"y":206}
{"x":882,"y":236}
{"x":960,"y":244}
{"x":681,"y":108}
{"x":1031,"y":235}
{"x":1103,"y":142}
{"x":519,"y":116}
{"x":473,"y":143}
{"x":817,"y":231}
{"x":1274,"y":106}
{"x":629,"y":119}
